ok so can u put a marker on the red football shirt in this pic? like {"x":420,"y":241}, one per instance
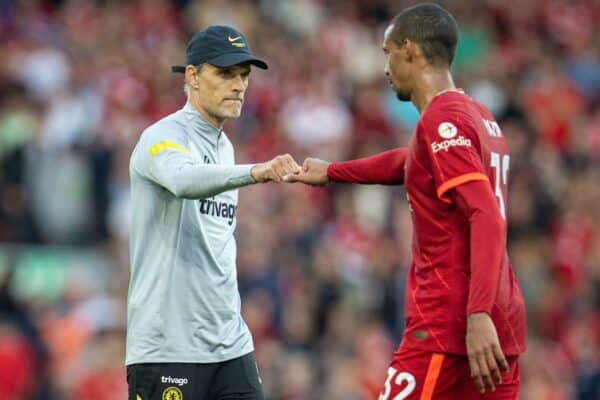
{"x":456,"y":168}
{"x":456,"y":141}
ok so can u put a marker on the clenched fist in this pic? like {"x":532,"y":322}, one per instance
{"x":275,"y":169}
{"x":314,"y":172}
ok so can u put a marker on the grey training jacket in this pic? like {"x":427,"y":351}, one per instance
{"x":183,"y":303}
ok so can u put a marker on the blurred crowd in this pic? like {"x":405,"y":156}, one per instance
{"x":321,"y":270}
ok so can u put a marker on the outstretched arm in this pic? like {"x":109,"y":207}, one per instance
{"x":385,"y":168}
{"x":163,"y":158}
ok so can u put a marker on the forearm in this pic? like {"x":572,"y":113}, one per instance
{"x":385,"y":168}
{"x":199,"y":181}
{"x":487,"y":249}
{"x":487,"y":243}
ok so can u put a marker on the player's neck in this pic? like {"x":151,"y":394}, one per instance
{"x":429,"y":85}
{"x":208,"y":117}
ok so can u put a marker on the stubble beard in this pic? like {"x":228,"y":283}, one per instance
{"x":402,"y":96}
{"x":225,"y":114}
{"x":230,"y":112}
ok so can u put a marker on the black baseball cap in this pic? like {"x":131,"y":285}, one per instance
{"x":221,"y":46}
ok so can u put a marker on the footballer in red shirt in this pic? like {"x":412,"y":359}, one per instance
{"x":465,"y":315}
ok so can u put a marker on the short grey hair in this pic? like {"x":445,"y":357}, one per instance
{"x":187,"y":89}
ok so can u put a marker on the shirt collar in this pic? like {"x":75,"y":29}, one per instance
{"x":200,"y":125}
{"x":452,"y":90}
{"x":440,"y":94}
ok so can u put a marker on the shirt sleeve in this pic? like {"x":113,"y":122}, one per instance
{"x":385,"y":168}
{"x":162,"y":156}
{"x":477,"y":203}
{"x":451,"y":145}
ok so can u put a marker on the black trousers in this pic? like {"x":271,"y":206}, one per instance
{"x":235,"y":379}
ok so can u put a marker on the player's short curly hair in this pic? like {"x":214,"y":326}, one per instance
{"x":430,"y":26}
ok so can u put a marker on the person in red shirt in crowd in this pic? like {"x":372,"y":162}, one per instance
{"x":465,"y":314}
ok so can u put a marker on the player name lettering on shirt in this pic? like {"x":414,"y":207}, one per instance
{"x":492,"y":128}
{"x":446,"y":144}
{"x":218,"y":209}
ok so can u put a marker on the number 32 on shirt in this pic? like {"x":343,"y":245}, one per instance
{"x":405,"y":379}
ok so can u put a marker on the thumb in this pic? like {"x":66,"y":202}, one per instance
{"x":291,"y":178}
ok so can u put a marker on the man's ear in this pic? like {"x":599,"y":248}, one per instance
{"x":191,"y":76}
{"x":413,"y":51}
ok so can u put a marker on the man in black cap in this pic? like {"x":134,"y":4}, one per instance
{"x":186,"y":338}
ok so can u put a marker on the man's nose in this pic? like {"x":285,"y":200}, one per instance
{"x":239,"y":84}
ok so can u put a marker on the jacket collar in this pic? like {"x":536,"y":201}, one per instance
{"x":200,"y":125}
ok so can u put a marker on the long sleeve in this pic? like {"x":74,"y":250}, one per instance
{"x":385,"y":168}
{"x":165,"y":160}
{"x":192,"y":180}
{"x":487,"y":242}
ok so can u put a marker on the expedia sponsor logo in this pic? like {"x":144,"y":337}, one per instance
{"x":174,"y":381}
{"x":447,"y":130}
{"x":446,"y":144}
{"x":218,"y":209}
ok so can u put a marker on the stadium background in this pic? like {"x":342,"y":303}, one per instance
{"x":321,"y":271}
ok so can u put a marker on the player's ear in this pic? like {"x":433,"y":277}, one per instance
{"x":191,"y":76}
{"x":412,"y":50}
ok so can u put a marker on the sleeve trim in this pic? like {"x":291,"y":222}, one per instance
{"x":157,"y":148}
{"x":459,"y":180}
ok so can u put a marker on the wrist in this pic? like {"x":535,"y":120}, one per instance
{"x":257,"y":172}
{"x":329,"y":167}
{"x":251,"y":173}
{"x":476,"y":315}
{"x":479,"y":309}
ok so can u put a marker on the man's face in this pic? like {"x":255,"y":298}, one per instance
{"x":397,"y":68}
{"x":220,"y":91}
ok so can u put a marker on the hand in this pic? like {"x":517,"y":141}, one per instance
{"x":314,"y":172}
{"x":275,"y":169}
{"x":484,"y":352}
